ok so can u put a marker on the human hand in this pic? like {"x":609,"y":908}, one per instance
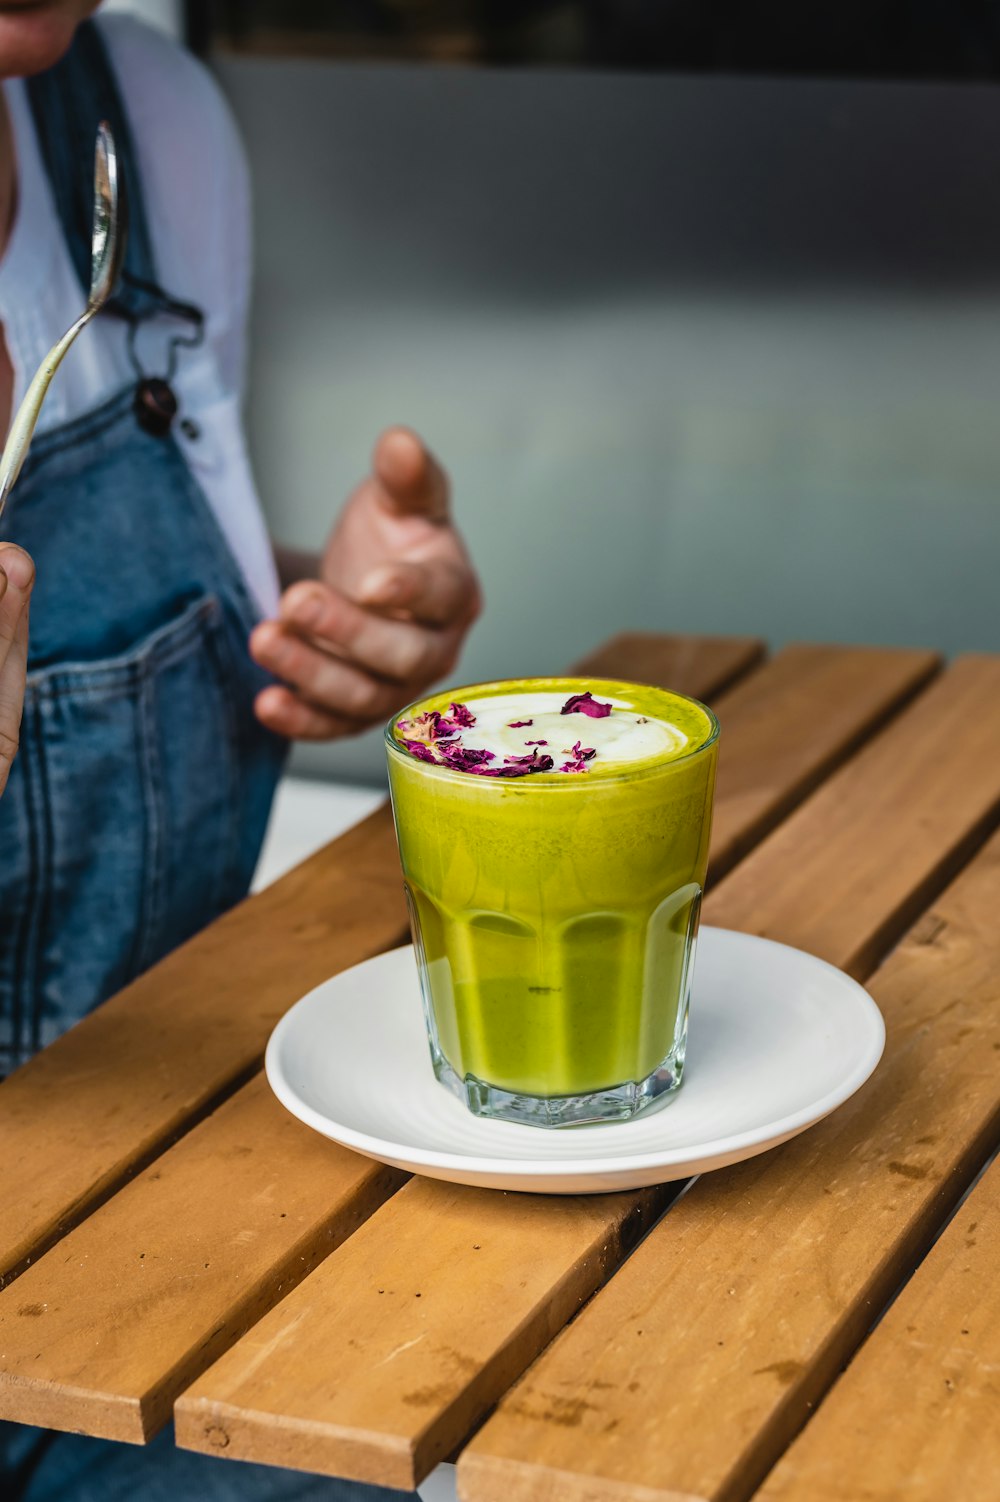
{"x":395,"y":597}
{"x":17,"y":575}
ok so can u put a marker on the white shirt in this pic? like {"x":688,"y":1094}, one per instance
{"x":197,"y":200}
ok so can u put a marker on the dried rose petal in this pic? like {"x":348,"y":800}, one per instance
{"x":426,"y":727}
{"x":464,"y":758}
{"x":518,"y":724}
{"x":437,"y":738}
{"x":581,"y":754}
{"x":422,"y":751}
{"x":586,"y":704}
{"x":523,"y":766}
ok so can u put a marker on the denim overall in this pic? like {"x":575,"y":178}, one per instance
{"x":137,"y":802}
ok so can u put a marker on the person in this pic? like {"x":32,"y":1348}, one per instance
{"x":151,"y":736}
{"x":156,"y":654}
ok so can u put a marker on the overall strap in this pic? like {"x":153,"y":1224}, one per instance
{"x":68,"y":101}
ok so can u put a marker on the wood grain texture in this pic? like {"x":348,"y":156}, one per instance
{"x":382,"y":1359}
{"x":375,"y":1450}
{"x":691,"y":1371}
{"x":144,"y":1066}
{"x":702,"y":666}
{"x":916,"y":1414}
{"x":102,"y":1332}
{"x":111,"y":1094}
{"x":887,"y":831}
{"x":794,"y":720}
{"x":89,"y":1110}
{"x":131,"y":1392}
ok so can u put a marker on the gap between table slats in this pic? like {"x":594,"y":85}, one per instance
{"x":740,"y":1307}
{"x":133,"y":1380}
{"x":407,"y":1390}
{"x":104,"y":1100}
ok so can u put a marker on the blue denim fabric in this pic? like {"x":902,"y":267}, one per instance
{"x":71,"y":1468}
{"x":138,"y":800}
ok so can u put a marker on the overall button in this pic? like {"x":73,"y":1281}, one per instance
{"x":155,"y":406}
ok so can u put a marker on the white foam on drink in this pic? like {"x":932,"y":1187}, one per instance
{"x":621,"y":737}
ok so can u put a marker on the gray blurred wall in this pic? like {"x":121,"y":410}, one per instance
{"x":701,"y":354}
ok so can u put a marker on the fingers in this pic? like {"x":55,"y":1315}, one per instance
{"x":343,"y":667}
{"x":401,"y":651}
{"x":283,"y":712}
{"x":17,"y":575}
{"x":341,"y":688}
{"x":327,"y":683}
{"x":410,"y":480}
{"x":436,"y":592}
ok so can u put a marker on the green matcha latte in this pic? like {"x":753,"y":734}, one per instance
{"x":554,"y":837}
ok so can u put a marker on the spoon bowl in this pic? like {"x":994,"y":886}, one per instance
{"x":106,"y":239}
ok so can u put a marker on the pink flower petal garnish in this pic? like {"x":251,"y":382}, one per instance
{"x":518,"y":724}
{"x":422,"y":751}
{"x":433,"y":737}
{"x":522,"y":766}
{"x":427,"y":726}
{"x":586,"y":704}
{"x":464,"y":758}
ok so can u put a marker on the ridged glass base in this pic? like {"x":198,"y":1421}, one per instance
{"x":616,"y":1103}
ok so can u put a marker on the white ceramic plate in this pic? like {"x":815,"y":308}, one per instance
{"x":777,"y":1040}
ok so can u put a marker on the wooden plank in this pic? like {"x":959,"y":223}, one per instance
{"x":915,"y":1416}
{"x":241,"y":1399}
{"x":786,"y":727}
{"x":702,"y":666}
{"x":928,"y":786}
{"x":110,"y":1094}
{"x":690,"y":1372}
{"x":99,"y":1104}
{"x":379,"y":1336}
{"x":100,"y":1334}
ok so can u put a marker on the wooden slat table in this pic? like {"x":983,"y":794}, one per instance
{"x":173,"y":1243}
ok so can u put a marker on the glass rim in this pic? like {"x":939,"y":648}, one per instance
{"x":552,"y":780}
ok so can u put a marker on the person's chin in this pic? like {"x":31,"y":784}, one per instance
{"x":33,"y":37}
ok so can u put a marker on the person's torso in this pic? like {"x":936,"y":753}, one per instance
{"x":40,"y":292}
{"x":139,"y":795}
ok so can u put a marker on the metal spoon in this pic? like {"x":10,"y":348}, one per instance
{"x":107,"y":242}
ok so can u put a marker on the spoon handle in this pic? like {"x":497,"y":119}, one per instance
{"x":23,"y":427}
